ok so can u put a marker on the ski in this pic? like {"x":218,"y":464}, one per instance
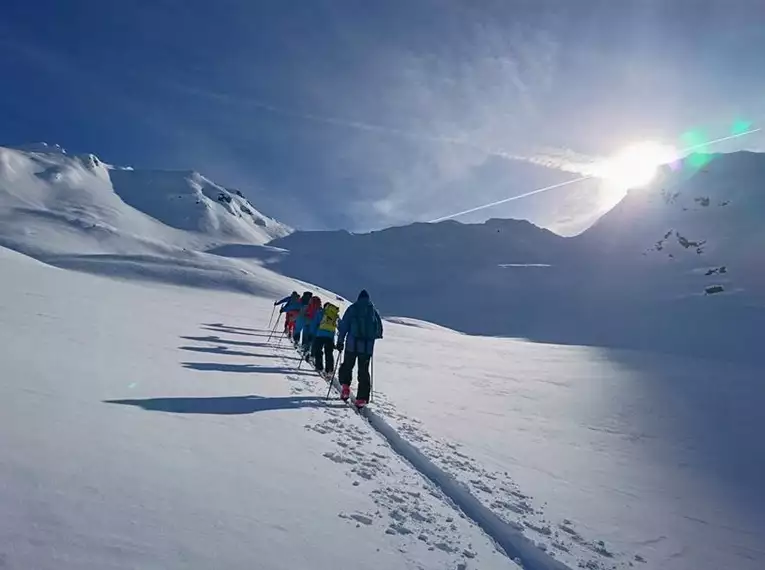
{"x":350,"y":401}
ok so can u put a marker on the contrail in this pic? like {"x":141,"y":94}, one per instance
{"x":401,"y":133}
{"x":728,"y":138}
{"x":511,"y":198}
{"x":582,"y":178}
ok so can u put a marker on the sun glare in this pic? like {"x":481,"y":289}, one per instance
{"x":636,"y":165}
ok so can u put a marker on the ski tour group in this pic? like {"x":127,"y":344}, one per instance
{"x":312,"y":327}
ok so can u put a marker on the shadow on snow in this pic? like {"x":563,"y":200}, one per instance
{"x":225,"y":405}
{"x":243,"y":368}
{"x":219,"y":340}
{"x":226,"y":351}
{"x":234,"y":328}
{"x":241,"y":332}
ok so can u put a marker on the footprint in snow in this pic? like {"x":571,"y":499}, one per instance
{"x":545,"y":530}
{"x":318,"y":429}
{"x":397,"y":529}
{"x":363,"y":519}
{"x":445,"y":547}
{"x":337,"y":458}
{"x":363,"y":473}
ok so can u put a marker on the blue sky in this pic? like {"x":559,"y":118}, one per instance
{"x":362,"y":114}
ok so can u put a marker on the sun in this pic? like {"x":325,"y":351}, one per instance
{"x":636,"y":165}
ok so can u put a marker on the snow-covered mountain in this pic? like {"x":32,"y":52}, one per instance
{"x":165,"y":426}
{"x":101,"y":208}
{"x":650,"y":262}
{"x":695,"y":220}
{"x":640,"y":277}
{"x":78,"y":212}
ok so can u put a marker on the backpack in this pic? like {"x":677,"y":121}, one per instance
{"x":311,"y":309}
{"x":364,"y":324}
{"x":329,"y":318}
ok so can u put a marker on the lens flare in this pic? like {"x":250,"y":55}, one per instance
{"x":636,"y":165}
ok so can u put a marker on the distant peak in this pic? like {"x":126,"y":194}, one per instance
{"x":42,"y":147}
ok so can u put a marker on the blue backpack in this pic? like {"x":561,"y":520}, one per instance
{"x":365,"y":323}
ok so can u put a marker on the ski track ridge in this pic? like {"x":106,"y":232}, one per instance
{"x":510,"y":540}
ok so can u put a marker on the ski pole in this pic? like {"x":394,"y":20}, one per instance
{"x":273,"y":330}
{"x":372,"y":380}
{"x":337,"y":365}
{"x":332,"y":378}
{"x":301,"y":356}
{"x":271,"y":318}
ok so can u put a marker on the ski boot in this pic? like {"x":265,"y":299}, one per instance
{"x":345,"y":393}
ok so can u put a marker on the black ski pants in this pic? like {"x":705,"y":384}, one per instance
{"x":324,"y":350}
{"x":346,"y":371}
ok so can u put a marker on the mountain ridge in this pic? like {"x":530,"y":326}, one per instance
{"x":637,"y":278}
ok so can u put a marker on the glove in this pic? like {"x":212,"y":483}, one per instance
{"x":341,"y":346}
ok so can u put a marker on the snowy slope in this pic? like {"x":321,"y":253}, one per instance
{"x":155,"y":426}
{"x":609,"y":458}
{"x":695,"y":219}
{"x":56,"y":203}
{"x":130,"y":440}
{"x":80,"y":213}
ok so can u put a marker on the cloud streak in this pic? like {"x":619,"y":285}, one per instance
{"x":564,"y":160}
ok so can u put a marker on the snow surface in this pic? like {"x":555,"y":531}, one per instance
{"x":147,"y":421}
{"x":659,"y":457}
{"x":129,"y":442}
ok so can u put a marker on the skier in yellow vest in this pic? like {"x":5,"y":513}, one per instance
{"x":324,"y":325}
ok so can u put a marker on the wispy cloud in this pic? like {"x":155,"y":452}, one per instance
{"x":565,"y":160}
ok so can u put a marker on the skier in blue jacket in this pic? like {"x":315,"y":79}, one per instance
{"x":359,"y":328}
{"x":291,"y":308}
{"x":300,"y":319}
{"x":285,"y":299}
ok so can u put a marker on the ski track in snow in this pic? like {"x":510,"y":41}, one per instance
{"x":502,"y":495}
{"x":405,"y":509}
{"x":492,"y":499}
{"x":412,"y":507}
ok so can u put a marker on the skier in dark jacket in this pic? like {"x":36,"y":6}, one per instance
{"x":291,"y":308}
{"x":359,"y":328}
{"x":285,"y":299}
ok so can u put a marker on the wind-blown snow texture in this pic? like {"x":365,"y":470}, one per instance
{"x":146,"y":424}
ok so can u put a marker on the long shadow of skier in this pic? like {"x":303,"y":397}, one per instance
{"x":244,"y":368}
{"x":235,"y":328}
{"x":225,"y":351}
{"x":237,"y":331}
{"x":223,"y":341}
{"x":225,"y":405}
